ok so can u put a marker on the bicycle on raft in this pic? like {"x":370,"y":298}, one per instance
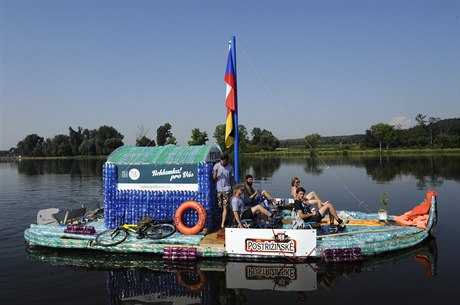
{"x":146,"y":228}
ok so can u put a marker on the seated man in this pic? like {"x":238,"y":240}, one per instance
{"x":240,"y":211}
{"x":302,"y":207}
{"x":252,"y":197}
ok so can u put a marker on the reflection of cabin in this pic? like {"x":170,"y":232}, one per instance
{"x":155,"y":181}
{"x":179,"y":286}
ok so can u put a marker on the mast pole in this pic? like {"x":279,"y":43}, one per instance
{"x":236,"y":158}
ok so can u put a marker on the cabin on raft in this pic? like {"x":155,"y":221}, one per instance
{"x":156,"y":181}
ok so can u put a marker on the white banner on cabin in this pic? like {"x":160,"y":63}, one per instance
{"x":271,"y":276}
{"x":288,"y":243}
{"x":167,"y":177}
{"x":158,"y":186}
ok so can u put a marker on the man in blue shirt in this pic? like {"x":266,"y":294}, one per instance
{"x":223,"y":175}
{"x":241,"y":211}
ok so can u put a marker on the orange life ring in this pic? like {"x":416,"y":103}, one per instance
{"x":190,"y":204}
{"x":202,"y":280}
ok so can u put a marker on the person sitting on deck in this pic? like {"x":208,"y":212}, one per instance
{"x":302,"y":207}
{"x":253,"y":197}
{"x":241,"y":211}
{"x":312,"y":196}
{"x":295,"y":182}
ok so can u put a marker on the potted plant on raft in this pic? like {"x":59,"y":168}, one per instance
{"x":382,"y":212}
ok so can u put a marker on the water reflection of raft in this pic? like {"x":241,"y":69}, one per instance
{"x":141,"y":277}
{"x":359,"y":236}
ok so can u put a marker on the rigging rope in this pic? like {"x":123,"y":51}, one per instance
{"x":361,"y":203}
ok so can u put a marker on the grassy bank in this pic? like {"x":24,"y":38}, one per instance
{"x":296,"y":152}
{"x":357,"y":152}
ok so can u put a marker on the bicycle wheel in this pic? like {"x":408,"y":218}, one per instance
{"x":159,"y":231}
{"x":109,"y":238}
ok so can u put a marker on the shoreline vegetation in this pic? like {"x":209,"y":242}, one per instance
{"x":430,"y":136}
{"x":295,"y":152}
{"x":359,"y":152}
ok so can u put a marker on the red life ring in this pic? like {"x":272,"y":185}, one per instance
{"x":190,"y":204}
{"x":192,"y":286}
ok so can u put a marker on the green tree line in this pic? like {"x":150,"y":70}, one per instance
{"x":105,"y":139}
{"x":429,"y":132}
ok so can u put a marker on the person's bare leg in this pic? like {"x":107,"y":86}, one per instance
{"x":271,"y":201}
{"x":266,"y":194}
{"x":260,"y":209}
{"x":314,"y":199}
{"x":224,"y":216}
{"x":329,"y":208}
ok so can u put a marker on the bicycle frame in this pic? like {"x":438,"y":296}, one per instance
{"x":129,"y":227}
{"x":113,"y":237}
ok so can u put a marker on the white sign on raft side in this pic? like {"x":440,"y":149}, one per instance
{"x":290,"y":243}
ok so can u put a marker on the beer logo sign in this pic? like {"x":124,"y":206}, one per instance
{"x":134,"y":174}
{"x":270,"y":245}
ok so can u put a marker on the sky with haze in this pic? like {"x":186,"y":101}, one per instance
{"x":326,"y":67}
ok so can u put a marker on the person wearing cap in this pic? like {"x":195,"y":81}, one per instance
{"x":223,"y":175}
{"x":240,"y":211}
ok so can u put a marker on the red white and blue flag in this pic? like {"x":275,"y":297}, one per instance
{"x":230,"y":101}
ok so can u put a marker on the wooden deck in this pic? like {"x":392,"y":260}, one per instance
{"x":214,"y":239}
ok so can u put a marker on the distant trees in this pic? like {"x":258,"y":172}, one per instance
{"x":59,"y":146}
{"x":312,"y":141}
{"x":426,"y":129}
{"x":75,"y":139}
{"x":84,"y":142}
{"x":429,"y":132}
{"x":382,"y":134}
{"x":165,"y":136}
{"x":262,"y":140}
{"x":198,"y":137}
{"x":31,"y":146}
{"x":107,"y":139}
{"x":219,"y":135}
{"x":142,"y":139}
{"x":243,"y":138}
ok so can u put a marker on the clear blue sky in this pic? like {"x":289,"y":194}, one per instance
{"x":327,"y":67}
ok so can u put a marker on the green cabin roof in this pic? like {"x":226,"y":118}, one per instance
{"x":169,"y":154}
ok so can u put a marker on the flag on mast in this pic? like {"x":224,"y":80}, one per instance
{"x":230,"y":100}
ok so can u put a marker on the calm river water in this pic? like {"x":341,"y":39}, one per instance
{"x":41,"y":276}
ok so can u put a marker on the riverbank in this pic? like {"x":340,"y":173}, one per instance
{"x":295,"y":152}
